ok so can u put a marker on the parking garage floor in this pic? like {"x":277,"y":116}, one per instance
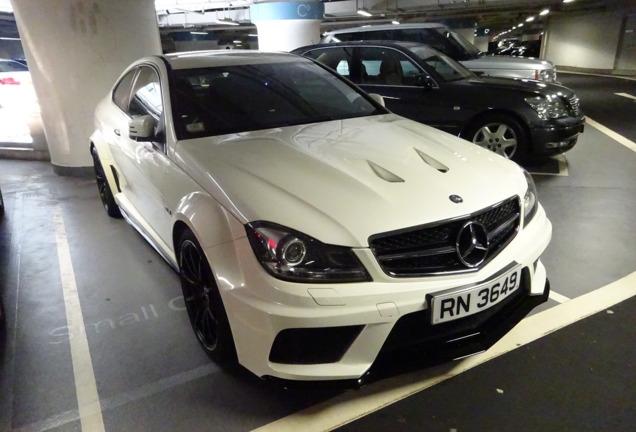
{"x":570,"y":366}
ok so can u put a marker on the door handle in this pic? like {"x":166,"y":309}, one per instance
{"x":117,"y":132}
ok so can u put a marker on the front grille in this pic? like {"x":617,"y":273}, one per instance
{"x":573,"y":104}
{"x":431,"y":249}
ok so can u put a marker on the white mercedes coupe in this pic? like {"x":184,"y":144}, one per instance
{"x":315,"y":233}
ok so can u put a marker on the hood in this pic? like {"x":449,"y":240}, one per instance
{"x":522,"y":84}
{"x":508,"y":62}
{"x":342,"y":181}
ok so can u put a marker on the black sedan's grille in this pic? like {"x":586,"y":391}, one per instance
{"x":432,"y":249}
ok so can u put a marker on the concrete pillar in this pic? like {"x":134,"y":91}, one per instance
{"x":285,"y":25}
{"x":76,"y":49}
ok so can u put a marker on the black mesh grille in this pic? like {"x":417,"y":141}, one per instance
{"x":426,"y":250}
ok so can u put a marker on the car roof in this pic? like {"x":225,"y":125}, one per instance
{"x":385,"y":27}
{"x":200,"y":59}
{"x":387,"y":43}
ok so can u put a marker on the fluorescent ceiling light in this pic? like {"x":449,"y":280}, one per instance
{"x":396,"y":22}
{"x":198,"y":32}
{"x":530,"y":19}
{"x":544,"y":12}
{"x":237,"y":41}
{"x":568,"y":1}
{"x":520,"y":25}
{"x":364,"y":12}
{"x":9,"y":38}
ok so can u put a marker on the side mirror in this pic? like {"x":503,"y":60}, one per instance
{"x":142,"y":128}
{"x":376,"y":97}
{"x":425,"y":81}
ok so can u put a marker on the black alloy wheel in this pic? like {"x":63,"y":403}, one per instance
{"x":501,"y":134}
{"x":105,"y":192}
{"x":203,"y":301}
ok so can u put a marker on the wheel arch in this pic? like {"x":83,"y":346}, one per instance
{"x":98,"y":143}
{"x":208,"y":220}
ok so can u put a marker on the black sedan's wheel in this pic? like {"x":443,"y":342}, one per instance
{"x":203,"y":301}
{"x":501,"y":134}
{"x":105,"y":193}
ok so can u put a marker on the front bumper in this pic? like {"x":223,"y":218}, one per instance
{"x":557,"y":137}
{"x":312,"y":332}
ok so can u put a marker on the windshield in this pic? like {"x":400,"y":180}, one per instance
{"x":448,"y":68}
{"x":449,"y":42}
{"x":230,"y":99}
{"x":470,"y":49}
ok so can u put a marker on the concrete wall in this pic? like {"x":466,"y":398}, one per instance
{"x":587,"y":41}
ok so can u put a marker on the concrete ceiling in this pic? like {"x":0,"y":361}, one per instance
{"x":497,"y":15}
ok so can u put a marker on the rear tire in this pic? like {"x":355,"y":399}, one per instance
{"x":501,"y":134}
{"x":105,"y":193}
{"x":203,"y":301}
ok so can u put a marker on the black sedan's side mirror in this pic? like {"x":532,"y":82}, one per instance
{"x":425,"y":81}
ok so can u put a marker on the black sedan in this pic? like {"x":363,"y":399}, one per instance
{"x":516,"y":118}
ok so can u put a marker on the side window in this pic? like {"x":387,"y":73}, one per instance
{"x":122,"y":90}
{"x":386,"y":66}
{"x":146,"y":95}
{"x":338,"y":59}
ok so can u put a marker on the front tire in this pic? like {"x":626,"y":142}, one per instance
{"x":501,"y":134}
{"x":203,"y":301}
{"x":105,"y":193}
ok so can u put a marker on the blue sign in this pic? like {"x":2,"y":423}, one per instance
{"x":293,"y":10}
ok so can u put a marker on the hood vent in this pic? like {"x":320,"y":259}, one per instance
{"x":385,"y":174}
{"x":432,"y":162}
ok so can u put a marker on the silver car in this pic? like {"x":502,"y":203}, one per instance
{"x":453,"y":45}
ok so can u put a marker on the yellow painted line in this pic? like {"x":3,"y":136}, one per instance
{"x":352,"y":405}
{"x":610,"y":133}
{"x":90,"y":410}
{"x":627,"y":95}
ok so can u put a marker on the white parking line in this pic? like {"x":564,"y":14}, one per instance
{"x":598,"y":75}
{"x":610,"y":133}
{"x":352,"y":405}
{"x":85,"y":387}
{"x":558,"y":297}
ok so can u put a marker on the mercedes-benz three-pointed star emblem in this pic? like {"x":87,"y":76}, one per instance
{"x":472,"y":244}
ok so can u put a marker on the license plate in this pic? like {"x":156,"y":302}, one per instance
{"x":462,"y":303}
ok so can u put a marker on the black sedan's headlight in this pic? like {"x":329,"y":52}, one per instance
{"x":548,"y":107}
{"x":530,"y":199}
{"x":290,"y":255}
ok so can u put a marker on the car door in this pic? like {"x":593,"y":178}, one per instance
{"x":407,"y":88}
{"x":143,"y":163}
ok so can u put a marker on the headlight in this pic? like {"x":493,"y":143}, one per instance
{"x":530,"y":199}
{"x":550,"y":107}
{"x":548,"y":75}
{"x":293,"y":256}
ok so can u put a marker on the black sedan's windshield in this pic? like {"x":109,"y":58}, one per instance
{"x":448,"y":68}
{"x":230,"y":99}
